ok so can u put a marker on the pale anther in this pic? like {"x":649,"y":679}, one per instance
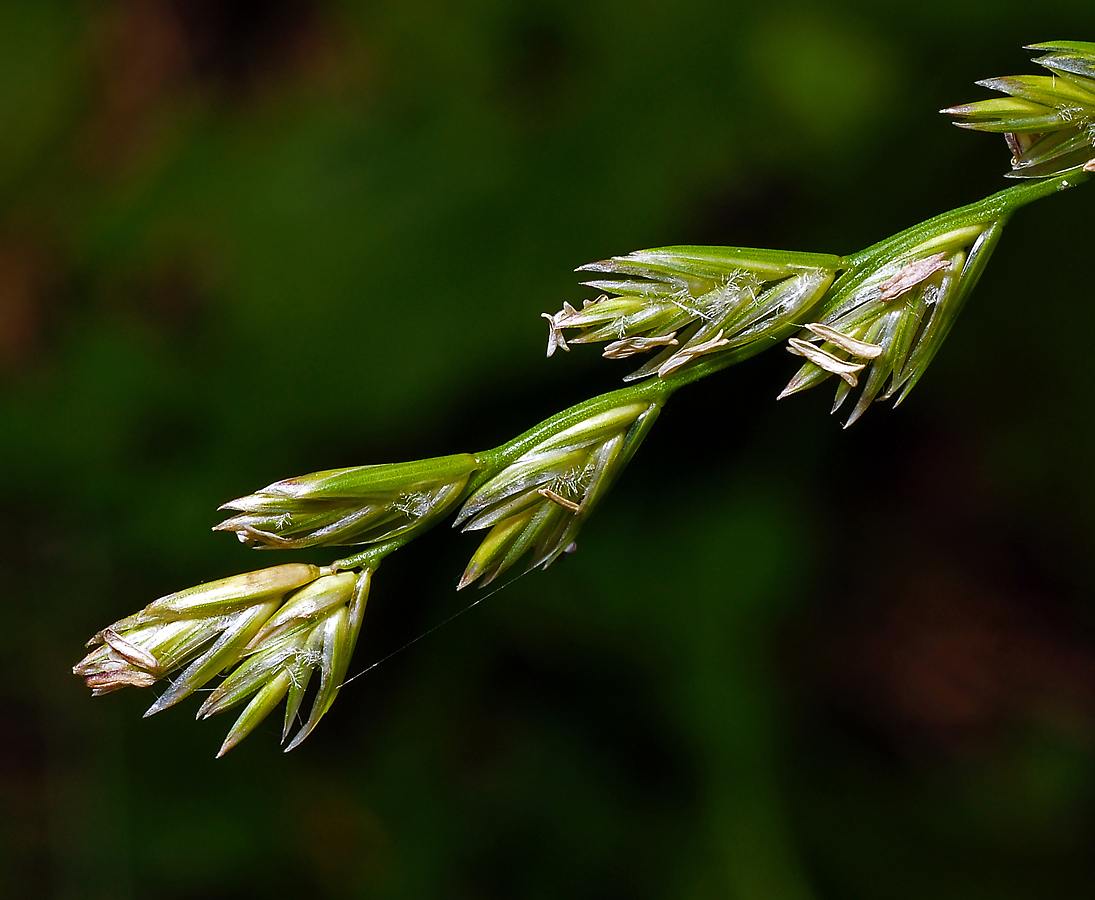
{"x":862,"y":349}
{"x":555,"y":498}
{"x":131,"y":652}
{"x":912,"y":274}
{"x":630,"y":346}
{"x":826,"y":361}
{"x":562,"y":317}
{"x":687,"y":354}
{"x":555,"y":334}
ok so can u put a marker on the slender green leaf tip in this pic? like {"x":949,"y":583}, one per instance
{"x":1048,"y":121}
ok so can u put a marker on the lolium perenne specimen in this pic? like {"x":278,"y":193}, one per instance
{"x":873,"y":320}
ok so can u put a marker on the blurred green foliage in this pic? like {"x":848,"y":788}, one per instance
{"x":247,"y":239}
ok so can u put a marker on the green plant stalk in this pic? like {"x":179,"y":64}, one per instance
{"x":997,"y":208}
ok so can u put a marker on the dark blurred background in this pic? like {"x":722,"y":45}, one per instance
{"x":241,"y":240}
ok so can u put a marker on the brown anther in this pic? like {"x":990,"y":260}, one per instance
{"x":630,"y":346}
{"x":130,"y":652}
{"x":105,"y":682}
{"x":1019,"y":144}
{"x":562,"y":501}
{"x":862,"y":349}
{"x":913,"y":274}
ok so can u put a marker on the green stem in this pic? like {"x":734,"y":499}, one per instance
{"x":371,"y":557}
{"x":996,"y":207}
